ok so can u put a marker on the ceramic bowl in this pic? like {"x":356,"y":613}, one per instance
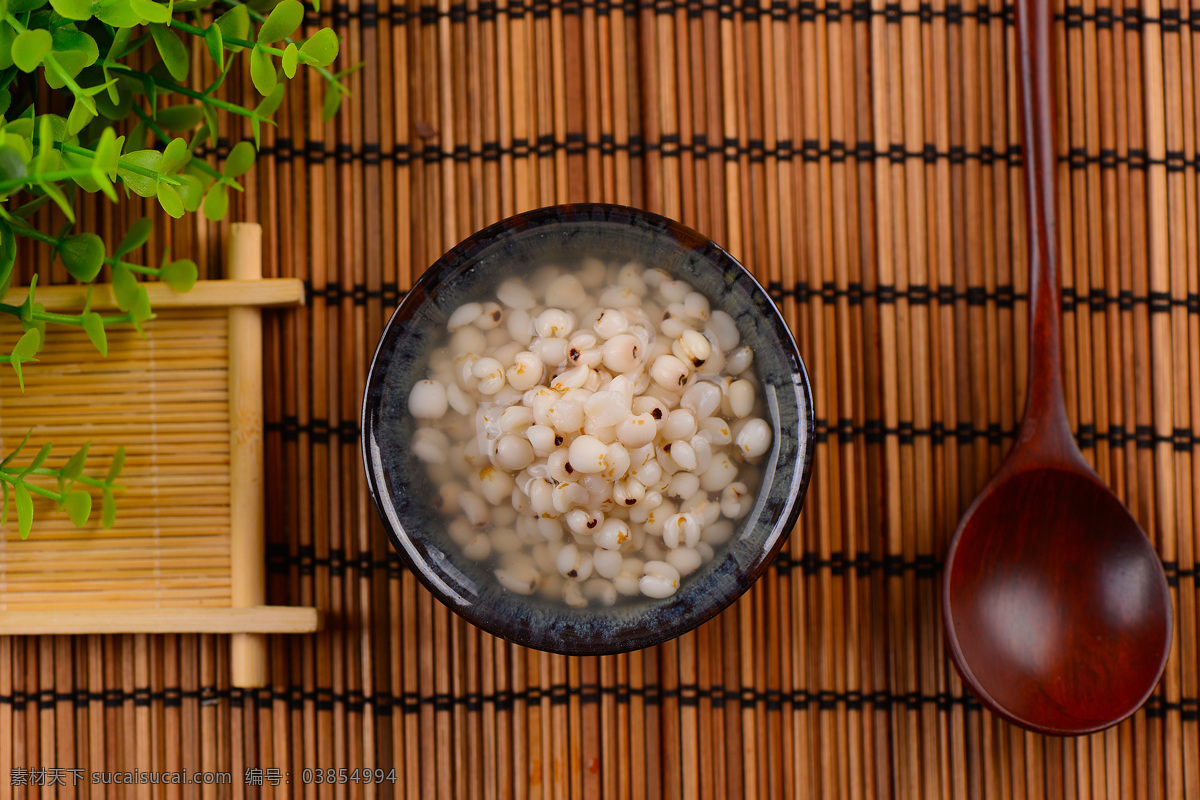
{"x":402,"y":490}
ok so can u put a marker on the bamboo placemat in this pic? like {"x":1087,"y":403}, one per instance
{"x":862,"y":159}
{"x":165,"y":398}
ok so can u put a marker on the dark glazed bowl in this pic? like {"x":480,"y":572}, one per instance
{"x":402,"y":489}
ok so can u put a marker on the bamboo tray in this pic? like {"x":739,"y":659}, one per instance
{"x":187,"y":552}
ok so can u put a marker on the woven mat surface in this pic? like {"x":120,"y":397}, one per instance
{"x":863,"y":160}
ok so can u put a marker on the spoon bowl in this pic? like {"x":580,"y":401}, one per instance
{"x":1058,"y":613}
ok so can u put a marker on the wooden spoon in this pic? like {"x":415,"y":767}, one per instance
{"x":1056,"y":606}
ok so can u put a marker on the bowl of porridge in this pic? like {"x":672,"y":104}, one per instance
{"x":587,"y":429}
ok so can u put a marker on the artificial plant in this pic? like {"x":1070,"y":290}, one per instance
{"x":101,"y":96}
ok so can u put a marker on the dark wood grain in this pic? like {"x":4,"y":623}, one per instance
{"x":1056,"y":606}
{"x":1045,"y":422}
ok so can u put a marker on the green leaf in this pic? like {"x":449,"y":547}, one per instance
{"x":45,"y":151}
{"x":179,"y":275}
{"x":38,"y":459}
{"x":108,"y":513}
{"x":170,"y":200}
{"x":54,"y":193}
{"x":70,"y":65}
{"x":82,"y":255}
{"x":148,"y":158}
{"x":290,"y":56}
{"x":5,"y":99}
{"x":21,"y":6}
{"x":239,"y":160}
{"x":27,"y":307}
{"x":270,"y":104}
{"x":24,"y":510}
{"x":23,"y":351}
{"x":119,"y":14}
{"x":150,"y":11}
{"x":177,"y":119}
{"x":16,"y":360}
{"x":215,"y":42}
{"x":115,"y":466}
{"x":141,"y":184}
{"x":8,"y":257}
{"x":79,"y":507}
{"x":234,"y":24}
{"x":21,"y":128}
{"x":88,"y":182}
{"x":135,"y":237}
{"x":117,"y":103}
{"x":73,"y":9}
{"x":136,"y":140}
{"x":262,"y":71}
{"x":74,"y":49}
{"x":4,"y":508}
{"x":19,"y":143}
{"x":74,"y":466}
{"x":30,"y":47}
{"x":333,"y":102}
{"x":93,"y":326}
{"x":80,"y":116}
{"x":211,"y":122}
{"x":120,"y":40}
{"x":28,"y":345}
{"x":174,"y":54}
{"x":38,"y":325}
{"x":140,"y":311}
{"x":174,"y":156}
{"x":216,"y":203}
{"x":104,"y":162}
{"x":282,"y":22}
{"x":12,"y":164}
{"x":7,"y":34}
{"x":16,"y":450}
{"x":322,"y":47}
{"x":191,"y":190}
{"x":125,"y":287}
{"x":149,"y":84}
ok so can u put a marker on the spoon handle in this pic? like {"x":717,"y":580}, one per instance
{"x":1044,"y":404}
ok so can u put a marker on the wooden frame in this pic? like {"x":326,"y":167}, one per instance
{"x":246,"y":617}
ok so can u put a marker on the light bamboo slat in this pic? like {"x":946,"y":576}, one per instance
{"x":238,"y":621}
{"x":247,"y":513}
{"x":204,"y":294}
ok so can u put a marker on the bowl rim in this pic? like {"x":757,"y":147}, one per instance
{"x":463,"y":252}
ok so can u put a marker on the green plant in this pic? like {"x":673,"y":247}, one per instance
{"x":114,"y":125}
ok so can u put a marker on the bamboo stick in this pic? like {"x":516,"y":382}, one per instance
{"x":207,"y":620}
{"x":945,"y":511}
{"x":204,"y":294}
{"x":1189,"y":546}
{"x":248,"y":551}
{"x":7,"y":714}
{"x":1182,"y":248}
{"x":1162,"y":362}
